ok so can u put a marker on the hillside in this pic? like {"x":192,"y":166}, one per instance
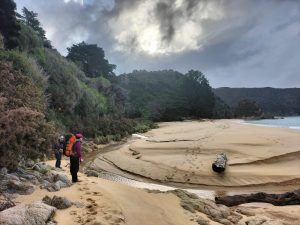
{"x":284,"y":102}
{"x":167,"y":95}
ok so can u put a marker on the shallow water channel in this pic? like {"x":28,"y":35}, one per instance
{"x":208,"y":194}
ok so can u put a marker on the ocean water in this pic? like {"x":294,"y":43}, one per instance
{"x":292,"y":122}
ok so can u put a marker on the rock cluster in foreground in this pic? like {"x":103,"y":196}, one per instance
{"x":221,"y":213}
{"x":30,"y":214}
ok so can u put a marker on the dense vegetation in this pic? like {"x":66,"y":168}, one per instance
{"x":167,"y":95}
{"x":275,"y":101}
{"x":246,"y":108}
{"x":43,"y":93}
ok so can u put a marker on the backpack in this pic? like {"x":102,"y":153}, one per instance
{"x":69,"y":146}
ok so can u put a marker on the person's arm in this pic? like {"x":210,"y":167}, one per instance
{"x":79,"y":151}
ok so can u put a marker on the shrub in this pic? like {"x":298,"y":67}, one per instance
{"x":24,"y":131}
{"x":28,"y":39}
{"x":20,"y":90}
{"x":63,"y":84}
{"x":26,"y":65}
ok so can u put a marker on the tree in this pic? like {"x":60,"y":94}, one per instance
{"x":9,"y":26}
{"x":91,"y":59}
{"x":247,"y":108}
{"x":29,"y":18}
{"x":200,"y":95}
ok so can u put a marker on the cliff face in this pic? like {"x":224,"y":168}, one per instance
{"x":285,"y":102}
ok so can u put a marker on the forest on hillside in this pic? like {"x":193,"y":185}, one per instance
{"x":275,"y":101}
{"x":43,"y":93}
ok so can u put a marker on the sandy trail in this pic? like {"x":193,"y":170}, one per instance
{"x":182,"y":152}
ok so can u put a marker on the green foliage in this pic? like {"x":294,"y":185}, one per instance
{"x":26,"y":65}
{"x":20,"y":90}
{"x":247,"y":108}
{"x":111,"y":129}
{"x":201,"y":99}
{"x":29,"y":18}
{"x":166,"y":95}
{"x":92,"y":103}
{"x":9,"y":26}
{"x":24,"y":131}
{"x":28,"y":39}
{"x":273,"y":101}
{"x":91,"y":59}
{"x":63,"y":84}
{"x":221,"y":110}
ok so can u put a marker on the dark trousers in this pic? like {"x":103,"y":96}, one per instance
{"x":58,"y":160}
{"x":74,"y":168}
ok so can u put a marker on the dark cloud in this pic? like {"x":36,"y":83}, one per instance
{"x":165,"y":14}
{"x":235,"y":43}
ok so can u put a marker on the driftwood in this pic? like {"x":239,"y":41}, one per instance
{"x":288,"y":198}
{"x":219,"y":165}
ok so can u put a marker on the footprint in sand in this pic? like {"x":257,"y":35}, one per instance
{"x":73,"y":213}
{"x":97,"y":193}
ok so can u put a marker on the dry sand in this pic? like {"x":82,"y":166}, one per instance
{"x":182,"y":153}
{"x":106,"y":202}
{"x":102,"y":202}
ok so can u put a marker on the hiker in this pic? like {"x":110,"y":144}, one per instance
{"x":76,"y":158}
{"x":58,"y":150}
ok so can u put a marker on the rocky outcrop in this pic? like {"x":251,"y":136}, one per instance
{"x":288,"y":198}
{"x":21,"y":181}
{"x":261,"y":220}
{"x":220,"y":213}
{"x":57,"y":202}
{"x":92,"y":173}
{"x":31,"y":214}
{"x":5,"y":202}
{"x":11,"y":183}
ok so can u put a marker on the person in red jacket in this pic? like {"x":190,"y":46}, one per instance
{"x":76,"y":158}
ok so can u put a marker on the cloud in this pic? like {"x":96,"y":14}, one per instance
{"x":235,"y":43}
{"x":163,"y":27}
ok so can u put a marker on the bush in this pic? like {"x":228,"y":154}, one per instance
{"x":63,"y":84}
{"x":20,"y":90}
{"x":247,"y":108}
{"x":24,"y":131}
{"x":26,"y":65}
{"x":92,"y":103}
{"x":28,"y":39}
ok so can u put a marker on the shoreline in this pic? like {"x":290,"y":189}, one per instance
{"x":249,"y":122}
{"x":128,"y":153}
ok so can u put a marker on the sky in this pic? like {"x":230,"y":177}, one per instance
{"x":235,"y":43}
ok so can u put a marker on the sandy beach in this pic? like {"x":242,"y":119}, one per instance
{"x":259,"y":159}
{"x":102,"y":202}
{"x":182,"y":153}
